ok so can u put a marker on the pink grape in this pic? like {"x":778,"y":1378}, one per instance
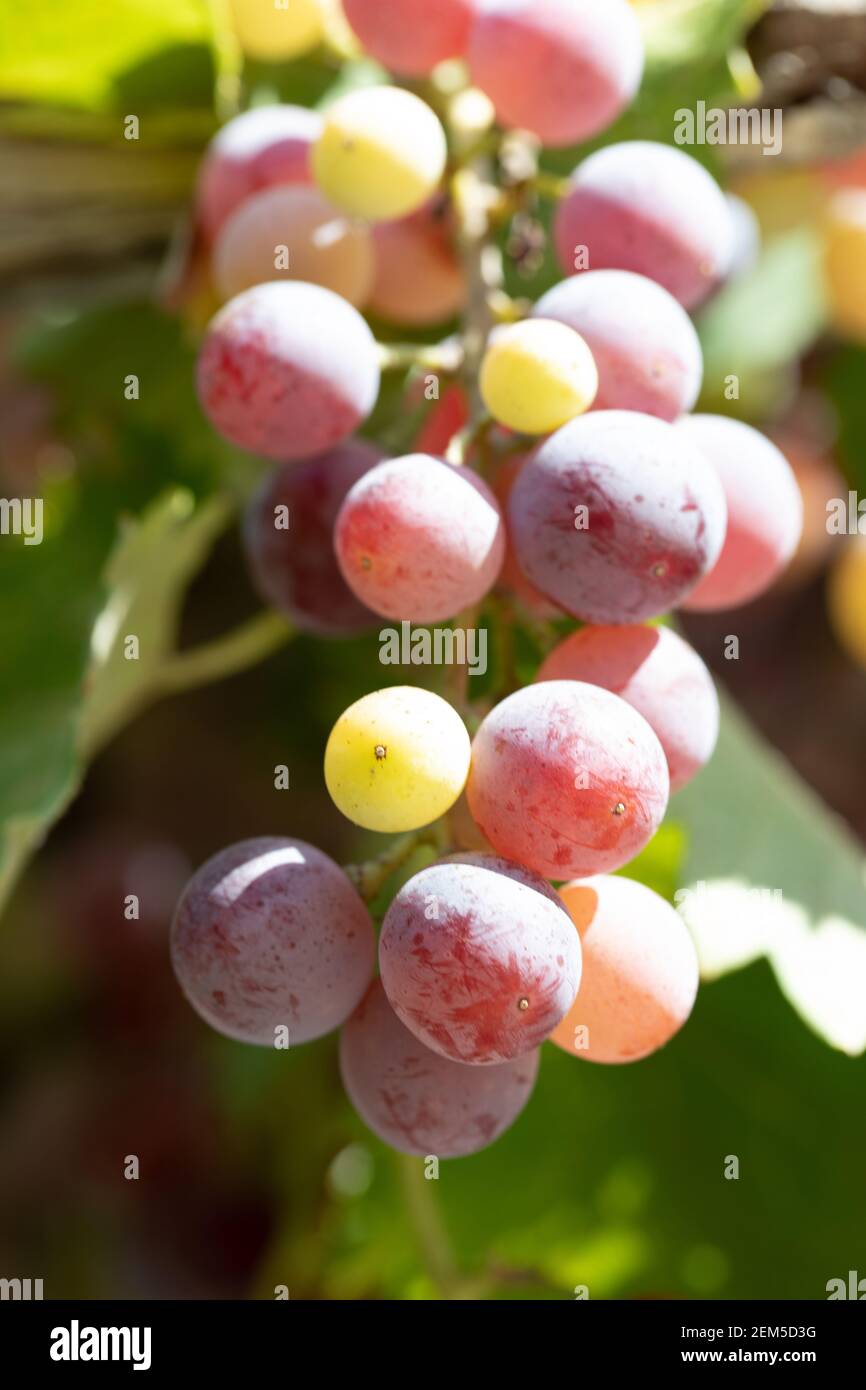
{"x":659,"y":675}
{"x":617,"y":516}
{"x":418,"y":278}
{"x":419,"y":1102}
{"x":411,"y":36}
{"x":265,"y":146}
{"x":648,"y":208}
{"x":765,"y":510}
{"x":511,"y":577}
{"x":270,"y":933}
{"x":295,"y":568}
{"x":322,"y":246}
{"x":420,"y":539}
{"x":562,"y":69}
{"x":287,"y":369}
{"x":645,"y":347}
{"x":640,"y":974}
{"x":477,"y":958}
{"x":567,"y":779}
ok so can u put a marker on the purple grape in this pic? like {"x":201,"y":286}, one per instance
{"x":271,"y":933}
{"x":617,"y":517}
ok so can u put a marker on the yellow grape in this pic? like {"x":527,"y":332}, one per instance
{"x":397,"y":759}
{"x":845,"y":262}
{"x":272,"y":31}
{"x":537,"y":375}
{"x":846,"y":600}
{"x":381,"y":154}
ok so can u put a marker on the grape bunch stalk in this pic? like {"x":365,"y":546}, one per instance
{"x":561,"y":476}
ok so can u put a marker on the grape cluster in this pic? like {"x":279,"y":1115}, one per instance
{"x":582,"y":489}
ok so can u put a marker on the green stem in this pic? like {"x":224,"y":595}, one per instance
{"x":226,"y":656}
{"x":370,"y":877}
{"x":436,"y":357}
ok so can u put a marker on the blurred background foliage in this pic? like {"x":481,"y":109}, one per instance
{"x":255,"y":1172}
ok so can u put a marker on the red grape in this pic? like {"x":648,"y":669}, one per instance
{"x":567,"y":779}
{"x":659,"y":675}
{"x":644,"y":344}
{"x":411,"y":36}
{"x":262,"y":147}
{"x":419,"y":1102}
{"x":295,"y":569}
{"x":271,"y":933}
{"x":616,"y":517}
{"x":477,"y":958}
{"x":420,"y":539}
{"x":652,"y":209}
{"x":511,"y":577}
{"x":287,"y":369}
{"x":418,"y":277}
{"x":563,"y":69}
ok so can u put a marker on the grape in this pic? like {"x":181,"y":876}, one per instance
{"x":381,"y":154}
{"x":271,"y":933}
{"x":478,"y":958}
{"x":537,"y":375}
{"x":846,"y":598}
{"x":845,"y":262}
{"x":511,"y":576}
{"x":448,"y":416}
{"x":397,"y":759}
{"x":644,"y":344}
{"x":287,"y":370}
{"x":659,"y":675}
{"x":261,"y":148}
{"x":273,"y":33}
{"x":765,"y":510}
{"x":563,"y":69}
{"x":464,"y":833}
{"x":640,"y":971}
{"x":411,"y":36}
{"x":420,"y":539}
{"x":617,"y":516}
{"x":295,"y":568}
{"x":321,"y":245}
{"x":747,"y":236}
{"x":652,"y":209}
{"x":418,"y":278}
{"x":567,"y":779}
{"x":419,"y":1102}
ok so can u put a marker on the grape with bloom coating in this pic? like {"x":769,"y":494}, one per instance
{"x":644,"y":344}
{"x":381,"y":153}
{"x":411,"y":36}
{"x":567,"y":779}
{"x":846,"y":599}
{"x":478,"y":959}
{"x":419,"y":1102}
{"x":562,"y":69}
{"x":764,"y":504}
{"x":420,"y":539}
{"x":270,"y":933}
{"x":418,"y":279}
{"x":299,"y":226}
{"x":648,"y":208}
{"x":640,"y":971}
{"x":659,"y":675}
{"x":537,"y":375}
{"x":261,"y":148}
{"x":617,"y":516}
{"x":511,"y":576}
{"x":844,"y":233}
{"x":274,"y":33}
{"x":397,"y":759}
{"x":294,"y":566}
{"x":287,"y":370}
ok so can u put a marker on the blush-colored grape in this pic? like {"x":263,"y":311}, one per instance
{"x":270,"y":934}
{"x":288,"y":538}
{"x":640,"y":971}
{"x":477,"y":958}
{"x":420,"y":539}
{"x":418,"y":279}
{"x":764,"y":505}
{"x":260,"y":148}
{"x":659,"y":675}
{"x":511,"y":576}
{"x":617,"y":517}
{"x":411,"y":37}
{"x":567,"y":779}
{"x":287,"y":370}
{"x":419,"y":1102}
{"x":652,"y":209}
{"x":562,"y":69}
{"x":644,"y":344}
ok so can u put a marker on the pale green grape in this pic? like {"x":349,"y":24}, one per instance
{"x":537,"y":375}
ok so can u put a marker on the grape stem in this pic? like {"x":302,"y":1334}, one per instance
{"x":446,"y":356}
{"x":245,"y":646}
{"x":370,"y":877}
